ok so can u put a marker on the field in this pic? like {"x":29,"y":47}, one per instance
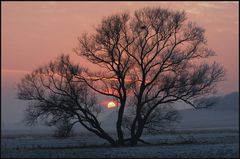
{"x":219,"y":143}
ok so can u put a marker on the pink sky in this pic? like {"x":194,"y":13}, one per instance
{"x":33,"y":33}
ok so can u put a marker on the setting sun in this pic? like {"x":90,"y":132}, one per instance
{"x":111,"y":105}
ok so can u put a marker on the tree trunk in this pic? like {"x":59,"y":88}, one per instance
{"x":138,"y":119}
{"x":99,"y":132}
{"x":119,"y":124}
{"x":136,"y":137}
{"x":111,"y":141}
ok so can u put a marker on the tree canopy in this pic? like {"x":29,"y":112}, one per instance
{"x":149,"y":59}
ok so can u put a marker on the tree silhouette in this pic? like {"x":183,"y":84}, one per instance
{"x":58,"y":98}
{"x":149,"y":59}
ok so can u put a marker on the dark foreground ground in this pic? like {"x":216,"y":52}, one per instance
{"x":203,"y":144}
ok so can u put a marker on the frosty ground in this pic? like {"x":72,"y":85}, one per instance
{"x":195,"y":143}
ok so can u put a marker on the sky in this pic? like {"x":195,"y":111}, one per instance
{"x":33,"y":33}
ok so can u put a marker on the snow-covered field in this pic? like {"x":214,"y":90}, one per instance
{"x":198,"y":143}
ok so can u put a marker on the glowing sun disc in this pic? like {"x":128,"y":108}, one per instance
{"x":111,"y":105}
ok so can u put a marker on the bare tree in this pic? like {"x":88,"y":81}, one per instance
{"x":155,"y":56}
{"x":59,"y":99}
{"x":148,"y":60}
{"x":63,"y":128}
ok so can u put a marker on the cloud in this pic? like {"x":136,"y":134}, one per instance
{"x":208,"y":5}
{"x":193,"y":11}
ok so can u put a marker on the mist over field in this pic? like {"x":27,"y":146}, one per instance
{"x":224,"y":114}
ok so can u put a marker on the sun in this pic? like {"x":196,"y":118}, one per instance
{"x":111,"y":105}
